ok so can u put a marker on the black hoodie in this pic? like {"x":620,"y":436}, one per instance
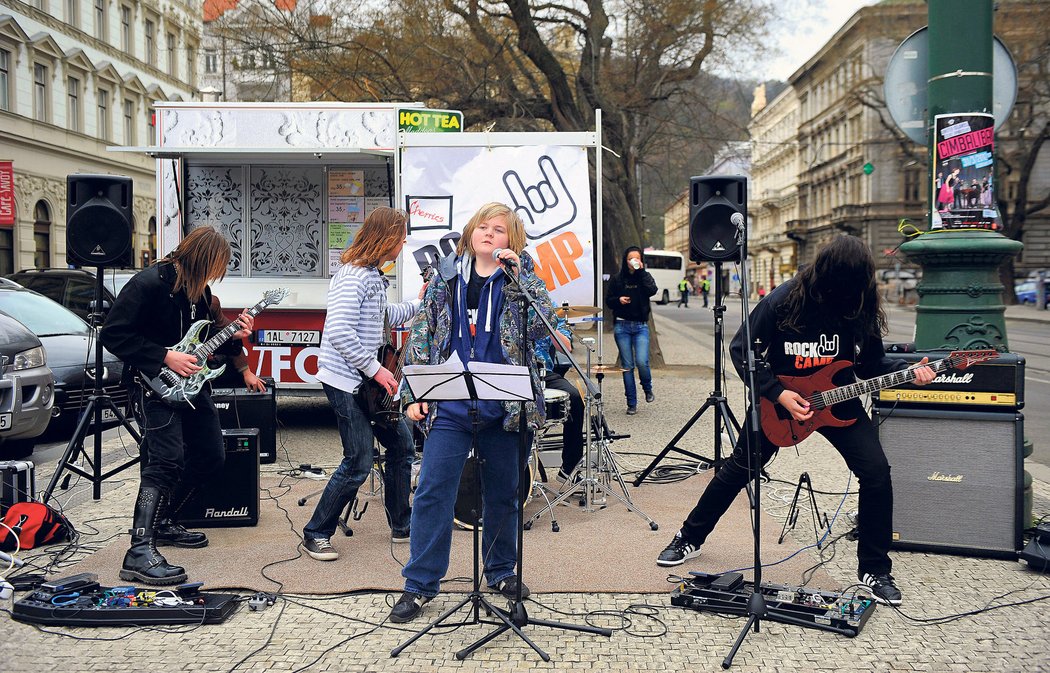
{"x":638,"y":285}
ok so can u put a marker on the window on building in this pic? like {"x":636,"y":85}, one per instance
{"x":73,"y":112}
{"x":129,"y":121}
{"x":100,"y":19}
{"x":125,"y":28}
{"x":42,"y":235}
{"x":191,"y":64}
{"x":103,"y":114}
{"x":171,"y":53}
{"x":151,"y":45}
{"x":73,"y":13}
{"x":7,"y":251}
{"x":5,"y":80}
{"x":211,"y":61}
{"x":39,"y":4}
{"x":151,"y":126}
{"x":40,"y":93}
{"x":912,"y":182}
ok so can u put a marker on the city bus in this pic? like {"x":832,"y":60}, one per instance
{"x":667,"y":268}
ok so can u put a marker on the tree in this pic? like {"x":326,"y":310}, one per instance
{"x":520,"y":65}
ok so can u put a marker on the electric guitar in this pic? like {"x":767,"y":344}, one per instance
{"x":783,"y":430}
{"x":382,"y":408}
{"x":180,"y":391}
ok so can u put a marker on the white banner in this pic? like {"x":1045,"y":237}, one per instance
{"x":547,"y":186}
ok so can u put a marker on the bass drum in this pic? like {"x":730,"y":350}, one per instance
{"x":463,"y":515}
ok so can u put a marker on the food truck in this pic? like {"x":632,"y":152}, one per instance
{"x":289,"y":185}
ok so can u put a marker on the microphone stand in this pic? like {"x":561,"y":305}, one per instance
{"x":516,"y":615}
{"x":757,"y":609}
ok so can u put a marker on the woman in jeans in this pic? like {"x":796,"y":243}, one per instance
{"x":628,"y":298}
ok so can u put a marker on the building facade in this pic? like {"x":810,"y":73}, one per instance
{"x":76,"y":78}
{"x":773,"y":201}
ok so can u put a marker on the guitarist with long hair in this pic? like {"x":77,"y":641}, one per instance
{"x":829,"y":312}
{"x":181,"y":447}
{"x":354,"y":329}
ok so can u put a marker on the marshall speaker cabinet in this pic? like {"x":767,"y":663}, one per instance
{"x":957,"y":478}
{"x":232,"y":497}
{"x":243,"y":408}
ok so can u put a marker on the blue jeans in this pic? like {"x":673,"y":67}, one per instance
{"x":356,"y":435}
{"x":632,"y":340}
{"x":444,"y":454}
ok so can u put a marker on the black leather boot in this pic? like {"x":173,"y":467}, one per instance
{"x":173,"y":534}
{"x":143,"y":563}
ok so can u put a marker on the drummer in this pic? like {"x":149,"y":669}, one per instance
{"x":572,"y":432}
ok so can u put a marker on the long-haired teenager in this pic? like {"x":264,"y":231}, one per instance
{"x":181,"y":448}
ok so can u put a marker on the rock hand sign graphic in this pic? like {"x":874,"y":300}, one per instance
{"x":544,"y":203}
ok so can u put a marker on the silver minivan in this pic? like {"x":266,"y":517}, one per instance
{"x":27,"y":389}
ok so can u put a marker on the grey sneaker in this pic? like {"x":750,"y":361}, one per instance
{"x":408,"y":607}
{"x":650,"y":396}
{"x":631,"y":411}
{"x":320,"y":548}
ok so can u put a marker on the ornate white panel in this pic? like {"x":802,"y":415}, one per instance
{"x":362,"y":128}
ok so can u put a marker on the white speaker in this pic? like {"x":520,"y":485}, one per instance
{"x":958,"y":479}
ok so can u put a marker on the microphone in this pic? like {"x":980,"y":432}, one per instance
{"x":509,"y":263}
{"x":738,"y":220}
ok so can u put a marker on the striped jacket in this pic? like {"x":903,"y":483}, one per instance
{"x":354,"y":327}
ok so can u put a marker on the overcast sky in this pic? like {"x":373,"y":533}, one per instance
{"x":811,"y":28}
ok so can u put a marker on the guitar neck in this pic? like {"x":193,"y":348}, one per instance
{"x":222,"y":336}
{"x":848,"y":392}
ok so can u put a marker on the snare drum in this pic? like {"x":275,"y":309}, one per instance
{"x":556,"y":403}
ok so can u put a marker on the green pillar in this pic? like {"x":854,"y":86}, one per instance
{"x":960,"y":296}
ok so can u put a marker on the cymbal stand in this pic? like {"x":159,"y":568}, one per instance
{"x":599,"y":467}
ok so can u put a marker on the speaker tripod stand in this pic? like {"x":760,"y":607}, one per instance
{"x":98,"y":402}
{"x":716,"y":400}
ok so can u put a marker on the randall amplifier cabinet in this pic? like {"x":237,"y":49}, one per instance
{"x":958,"y":484}
{"x":992,"y":384}
{"x":17,"y":483}
{"x":243,"y":408}
{"x":231,"y":498}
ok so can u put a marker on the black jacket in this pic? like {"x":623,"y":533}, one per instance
{"x":638,"y":285}
{"x":822,"y":341}
{"x":148,"y":317}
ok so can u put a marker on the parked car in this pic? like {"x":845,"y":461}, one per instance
{"x":73,"y":288}
{"x":1026,"y":292}
{"x":27,"y":389}
{"x":70,"y":346}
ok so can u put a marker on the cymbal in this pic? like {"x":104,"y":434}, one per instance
{"x":607,"y":369}
{"x":576,"y":311}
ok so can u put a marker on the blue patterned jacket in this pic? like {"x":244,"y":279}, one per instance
{"x":431,"y":340}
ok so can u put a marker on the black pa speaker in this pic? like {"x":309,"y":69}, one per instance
{"x":99,"y":220}
{"x":958,"y":479}
{"x":713,"y":201}
{"x":230,"y":498}
{"x":243,"y":408}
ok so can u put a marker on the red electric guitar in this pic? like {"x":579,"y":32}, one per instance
{"x":783,"y":430}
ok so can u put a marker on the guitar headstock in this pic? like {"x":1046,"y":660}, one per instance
{"x":966,"y":359}
{"x":271,"y":297}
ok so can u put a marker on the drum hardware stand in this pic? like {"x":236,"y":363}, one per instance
{"x":98,"y":402}
{"x":515,"y":617}
{"x":716,"y":400}
{"x":820,"y":519}
{"x":596,"y":477}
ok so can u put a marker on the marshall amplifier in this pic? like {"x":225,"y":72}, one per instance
{"x":958,"y":484}
{"x":231,"y":498}
{"x":992,"y":384}
{"x":243,"y":408}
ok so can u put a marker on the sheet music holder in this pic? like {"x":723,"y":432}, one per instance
{"x":450,"y":380}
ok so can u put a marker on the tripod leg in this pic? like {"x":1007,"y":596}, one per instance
{"x":728,"y":661}
{"x":437,"y":622}
{"x":671,"y":445}
{"x":792,"y":514}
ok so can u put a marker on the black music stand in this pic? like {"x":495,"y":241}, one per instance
{"x":97,"y":402}
{"x":716,"y":400}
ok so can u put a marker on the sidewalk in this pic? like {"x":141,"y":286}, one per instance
{"x":343,"y":633}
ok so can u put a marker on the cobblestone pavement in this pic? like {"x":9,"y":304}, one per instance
{"x":346,"y":633}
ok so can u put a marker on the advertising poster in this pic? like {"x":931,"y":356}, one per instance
{"x":342,"y":182}
{"x":548,"y":187}
{"x":964,"y":175}
{"x":7,"y":194}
